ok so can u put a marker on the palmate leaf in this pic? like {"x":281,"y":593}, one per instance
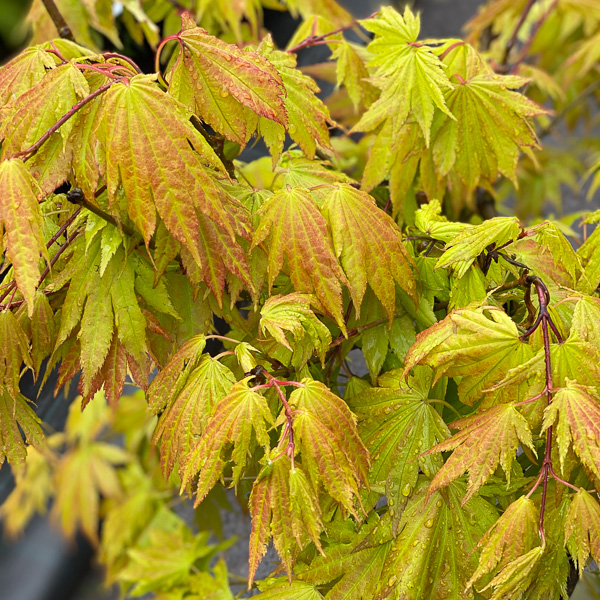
{"x":352,"y":72}
{"x":353,"y":561}
{"x":85,"y":473}
{"x":492,"y":124}
{"x":21,"y":219}
{"x":24,"y":72}
{"x":284,"y":505}
{"x":472,"y":241}
{"x":582,"y":529}
{"x":397,"y":424}
{"x":435,"y":550}
{"x":576,"y":410}
{"x":307,"y":115}
{"x":184,"y":418}
{"x":232,"y":421}
{"x":410,"y":75}
{"x":17,"y":416}
{"x":514,"y":534}
{"x":480,"y":349}
{"x":298,"y":232}
{"x":292,"y":314}
{"x":219,"y":82}
{"x":485,"y":440}
{"x":160,"y":173}
{"x":369,"y":246}
{"x":332,"y":452}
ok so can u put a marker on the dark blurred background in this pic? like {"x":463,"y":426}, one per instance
{"x":43,"y":565}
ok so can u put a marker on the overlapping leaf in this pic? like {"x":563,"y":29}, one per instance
{"x":435,"y":550}
{"x":148,"y":143}
{"x":485,"y":440}
{"x":470,"y":345}
{"x":284,"y":505}
{"x":21,"y":219}
{"x":307,"y":115}
{"x":397,"y":424}
{"x":331,"y":449}
{"x":218,"y":82}
{"x":410,"y":75}
{"x":186,"y":414}
{"x":292,"y":314}
{"x":298,"y":232}
{"x":576,"y":411}
{"x":232,"y":421}
{"x":369,"y":246}
{"x":514,"y":534}
{"x":582,"y":529}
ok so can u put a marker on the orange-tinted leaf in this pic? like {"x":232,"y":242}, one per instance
{"x":582,"y":529}
{"x":486,"y":440}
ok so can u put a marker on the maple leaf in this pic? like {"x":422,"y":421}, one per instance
{"x":582,"y":533}
{"x":166,"y":562}
{"x":429,"y":220}
{"x":84,"y":473}
{"x":14,"y":351}
{"x":218,"y":82}
{"x":326,"y":435}
{"x":231,"y":422}
{"x":577,"y":410}
{"x":485,"y":440}
{"x":21,"y":219}
{"x":436,"y":547}
{"x":352,"y":72}
{"x":369,"y":246}
{"x":472,"y":241}
{"x":410,"y":75}
{"x":161,"y":172}
{"x":491,"y":127}
{"x":284,"y":505}
{"x":299,"y":233}
{"x":471,"y":345}
{"x":514,"y":534}
{"x":292,"y":313}
{"x":397,"y":424}
{"x":307,"y":115}
{"x":24,"y":72}
{"x":284,"y":590}
{"x":186,"y":414}
{"x":17,"y":416}
{"x":354,"y":561}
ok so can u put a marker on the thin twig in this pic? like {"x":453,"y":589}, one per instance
{"x":513,"y":38}
{"x":64,"y":31}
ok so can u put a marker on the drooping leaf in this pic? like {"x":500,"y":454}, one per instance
{"x":151,"y":170}
{"x":582,"y":529}
{"x":369,"y":246}
{"x":331,"y":449}
{"x":352,"y":72}
{"x":186,"y":414}
{"x":218,"y":82}
{"x":514,"y":534}
{"x":284,"y":505}
{"x":307,"y":115}
{"x":298,"y":232}
{"x":15,"y":416}
{"x":21,"y":219}
{"x":485,"y":440}
{"x":232,"y":421}
{"x":575,"y":409}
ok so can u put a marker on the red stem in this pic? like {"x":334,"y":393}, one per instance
{"x":513,"y":38}
{"x":128,"y":60}
{"x":291,"y":447}
{"x":29,"y":152}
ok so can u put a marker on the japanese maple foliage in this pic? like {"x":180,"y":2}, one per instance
{"x":466,"y":463}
